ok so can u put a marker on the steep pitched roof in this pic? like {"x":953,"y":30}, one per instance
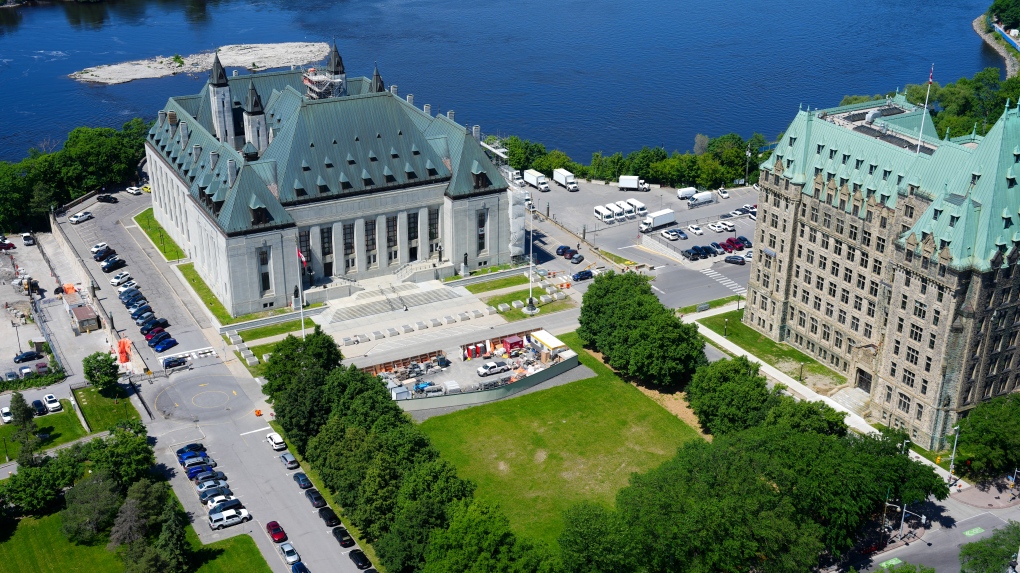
{"x":217,"y":76}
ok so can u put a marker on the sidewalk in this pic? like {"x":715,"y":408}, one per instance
{"x":853,"y":420}
{"x":12,"y":467}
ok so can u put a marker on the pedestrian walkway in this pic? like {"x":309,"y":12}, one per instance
{"x":12,"y":466}
{"x":853,"y":420}
{"x":724,"y":281}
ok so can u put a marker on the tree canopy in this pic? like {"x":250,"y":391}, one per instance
{"x":990,"y":436}
{"x":100,"y":369}
{"x":992,"y":554}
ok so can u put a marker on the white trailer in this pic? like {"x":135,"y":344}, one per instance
{"x":565,"y":179}
{"x":639,"y":207}
{"x":632,"y":183}
{"x":536,"y":180}
{"x":657,"y":220}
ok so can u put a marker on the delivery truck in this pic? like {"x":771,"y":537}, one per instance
{"x":565,"y":179}
{"x":658,"y":220}
{"x":699,"y":199}
{"x":632,"y":183}
{"x":536,"y":180}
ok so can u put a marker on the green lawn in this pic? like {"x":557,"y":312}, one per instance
{"x":617,"y":259}
{"x":62,"y":427}
{"x":537,"y":454}
{"x":498,"y":284}
{"x":274,"y":329}
{"x":711,"y":304}
{"x":102,"y":410}
{"x":205,"y":294}
{"x":38,"y":545}
{"x":786,"y":358}
{"x":159,"y":236}
{"x":515,"y":314}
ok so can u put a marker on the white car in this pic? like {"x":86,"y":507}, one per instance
{"x":80,"y":217}
{"x":716,"y":227}
{"x":749,"y":207}
{"x":736,"y":214}
{"x":290,"y":555}
{"x":752,"y":217}
{"x":127,"y":286}
{"x":276,"y":441}
{"x":670,"y":234}
{"x":134,"y":190}
{"x":695,"y":229}
{"x":5,"y":415}
{"x":211,"y":502}
{"x":727,"y":225}
{"x":724,"y":193}
{"x":51,"y":402}
{"x":749,"y":254}
{"x":756,"y":188}
{"x":120,"y":278}
{"x":98,"y":247}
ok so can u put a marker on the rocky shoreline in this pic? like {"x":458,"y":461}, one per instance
{"x":1012,"y":65}
{"x":250,"y":56}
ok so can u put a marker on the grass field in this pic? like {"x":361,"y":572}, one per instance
{"x":38,"y":545}
{"x":786,"y":358}
{"x":102,"y":410}
{"x":158,"y":235}
{"x":62,"y":427}
{"x":274,"y":329}
{"x":496,"y":284}
{"x":537,"y":454}
{"x":515,"y":314}
{"x":617,"y":259}
{"x":711,"y":304}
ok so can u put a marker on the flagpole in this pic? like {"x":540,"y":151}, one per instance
{"x":301,"y":291}
{"x":921,"y":130}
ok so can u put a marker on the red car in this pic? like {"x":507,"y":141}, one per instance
{"x":735,"y":244}
{"x":276,"y":532}
{"x":152,"y":333}
{"x":7,"y":246}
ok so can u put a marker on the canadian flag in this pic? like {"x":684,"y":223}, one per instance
{"x":301,"y":258}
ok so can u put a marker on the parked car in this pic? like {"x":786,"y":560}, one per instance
{"x":212,"y":502}
{"x":28,"y":357}
{"x":228,"y":518}
{"x":749,"y":254}
{"x":5,"y":415}
{"x":213,"y":492}
{"x":359,"y":559}
{"x":195,"y":471}
{"x":724,"y":194}
{"x":126,"y":295}
{"x":329,"y":517}
{"x":200,"y":487}
{"x":670,"y":234}
{"x":154,"y":333}
{"x":734,"y":260}
{"x":733,"y":242}
{"x":136,"y":303}
{"x":742,"y":211}
{"x":302,"y":480}
{"x":157,"y":338}
{"x":290,"y":555}
{"x":174,"y":362}
{"x":753,"y":216}
{"x":276,"y":532}
{"x":52,"y":404}
{"x":98,"y":247}
{"x":106,"y":199}
{"x":569,"y":253}
{"x":113,"y":263}
{"x":5,"y":246}
{"x":208,"y":475}
{"x":582,"y":276}
{"x":680,"y":233}
{"x":724,"y":246}
{"x":717,"y":227}
{"x":80,"y":217}
{"x":561,"y":249}
{"x":751,"y":207}
{"x":289,"y":461}
{"x":38,"y":407}
{"x":727,"y":225}
{"x":276,"y":441}
{"x":695,"y":229}
{"x":195,"y":447}
{"x":154,"y":323}
{"x":745,"y":241}
{"x":196,"y":461}
{"x":120,"y":278}
{"x":577,"y":259}
{"x":343,"y":537}
{"x":226,"y":505}
{"x":131,"y":284}
{"x":134,"y":191}
{"x":11,"y":376}
{"x":165,"y":345}
{"x":141,"y":320}
{"x":185,"y":456}
{"x":737,"y":213}
{"x":315,"y":498}
{"x":139,"y":309}
{"x":490,"y":368}
{"x":299,"y":567}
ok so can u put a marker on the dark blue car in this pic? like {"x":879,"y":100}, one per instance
{"x":200,"y":469}
{"x":158,"y":338}
{"x":165,"y":345}
{"x":140,"y":311}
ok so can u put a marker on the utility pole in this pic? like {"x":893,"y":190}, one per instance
{"x":952,"y":458}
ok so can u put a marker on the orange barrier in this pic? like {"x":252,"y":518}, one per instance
{"x":124,"y":350}
{"x":258,"y":413}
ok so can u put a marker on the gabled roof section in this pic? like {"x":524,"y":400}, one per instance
{"x":253,"y":103}
{"x":217,"y":76}
{"x":459,"y":151}
{"x":335,"y":65}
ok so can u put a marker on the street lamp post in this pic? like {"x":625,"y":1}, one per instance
{"x":952,"y":458}
{"x":17,"y":335}
{"x":531,"y":309}
{"x":747,"y":162}
{"x":726,"y":327}
{"x":801,"y":372}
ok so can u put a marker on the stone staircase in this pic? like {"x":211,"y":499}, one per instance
{"x":389,"y":299}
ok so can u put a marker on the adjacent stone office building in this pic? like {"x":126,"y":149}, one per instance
{"x":894,"y":266}
{"x":255,"y":167}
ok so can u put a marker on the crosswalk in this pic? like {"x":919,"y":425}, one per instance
{"x":724,"y":281}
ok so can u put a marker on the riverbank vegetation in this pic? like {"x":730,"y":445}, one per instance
{"x":92,"y":158}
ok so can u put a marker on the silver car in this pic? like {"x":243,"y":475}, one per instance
{"x":290,"y":555}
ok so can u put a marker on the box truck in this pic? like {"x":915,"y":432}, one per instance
{"x":536,"y":180}
{"x":632,"y":183}
{"x":564,"y":178}
{"x":699,"y":199}
{"x":657,"y":220}
{"x":686,"y":193}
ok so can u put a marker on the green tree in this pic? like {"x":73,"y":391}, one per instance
{"x":729,"y":396}
{"x":30,"y":490}
{"x":992,"y":554}
{"x":551,"y":161}
{"x":100,"y":370}
{"x":125,"y":454}
{"x":92,"y":505}
{"x":595,"y":540}
{"x":21,"y":413}
{"x":150,"y":497}
{"x":140,"y":557}
{"x":990,"y":435}
{"x":666,"y":351}
{"x":129,"y":525}
{"x":377,"y":498}
{"x":172,"y":543}
{"x":521,"y":153}
{"x":805,"y":416}
{"x":316,"y":355}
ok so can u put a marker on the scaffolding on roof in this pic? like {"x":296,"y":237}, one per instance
{"x":322,"y":85}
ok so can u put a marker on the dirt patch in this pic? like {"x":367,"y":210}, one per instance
{"x":503,"y":467}
{"x":540,"y":456}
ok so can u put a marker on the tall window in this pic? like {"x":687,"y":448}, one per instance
{"x":348,"y":239}
{"x":370,"y":234}
{"x":482,"y":217}
{"x":412,"y":226}
{"x":326,"y":243}
{"x":391,"y":232}
{"x":264,"y":279}
{"x":303,"y":244}
{"x":433,"y":223}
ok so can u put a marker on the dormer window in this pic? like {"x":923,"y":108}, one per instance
{"x":371,"y":156}
{"x":1007,"y":222}
{"x":858,"y":163}
{"x":943,"y":244}
{"x":350,"y":159}
{"x":899,"y":179}
{"x":345,"y":183}
{"x":885,"y":174}
{"x":846,"y":157}
{"x":390,"y":178}
{"x":393,"y":153}
{"x":818,"y":150}
{"x":305,"y":166}
{"x":260,"y":216}
{"x":953,"y":219}
{"x":327,"y":162}
{"x":409,"y":171}
{"x":481,"y":180}
{"x":872,"y":168}
{"x":935,"y":214}
{"x":792,"y":140}
{"x":432,"y":171}
{"x":832,"y":154}
{"x":974,"y":178}
{"x":414,"y":150}
{"x":366,"y":179}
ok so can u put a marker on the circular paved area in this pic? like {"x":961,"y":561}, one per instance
{"x":203,"y":395}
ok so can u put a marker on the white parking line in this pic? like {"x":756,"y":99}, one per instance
{"x":259,"y":430}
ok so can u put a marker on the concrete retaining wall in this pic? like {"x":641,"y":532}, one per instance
{"x":488,"y":277}
{"x":275,"y":319}
{"x":472,"y":398}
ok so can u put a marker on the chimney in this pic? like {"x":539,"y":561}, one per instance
{"x":449,"y":115}
{"x":410,"y":99}
{"x":427,"y":108}
{"x":162,"y":117}
{"x":231,"y":172}
{"x":214,"y":158}
{"x":393,"y":89}
{"x":185,"y":135}
{"x":172,"y":117}
{"x":234,"y":74}
{"x":476,"y":131}
{"x":196,"y":152}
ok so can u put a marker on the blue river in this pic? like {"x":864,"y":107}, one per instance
{"x":581,"y":76}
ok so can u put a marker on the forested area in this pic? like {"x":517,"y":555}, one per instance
{"x":1008,"y":12}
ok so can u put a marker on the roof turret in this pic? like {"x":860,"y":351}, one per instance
{"x":377,"y":84}
{"x":253,"y":103}
{"x":336,"y":63}
{"x":218,"y":76}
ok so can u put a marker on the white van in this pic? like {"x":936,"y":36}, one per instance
{"x":228,"y":518}
{"x":603,"y":214}
{"x":686,"y":193}
{"x":628,"y":209}
{"x":639,"y":207}
{"x":616,"y":211}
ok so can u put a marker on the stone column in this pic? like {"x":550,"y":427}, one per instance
{"x":380,"y":241}
{"x":359,"y":245}
{"x":402,"y":242}
{"x":338,"y":249}
{"x":315,"y":248}
{"x":423,"y":233}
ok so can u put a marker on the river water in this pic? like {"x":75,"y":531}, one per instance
{"x":578,"y":75}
